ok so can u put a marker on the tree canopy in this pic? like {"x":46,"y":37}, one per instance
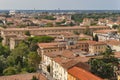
{"x":27,"y":33}
{"x":105,"y":66}
{"x":20,"y":60}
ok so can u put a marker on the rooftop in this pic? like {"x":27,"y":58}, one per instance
{"x":117,"y":54}
{"x":27,"y":76}
{"x":84,"y":36}
{"x":82,"y":74}
{"x":67,"y":59}
{"x":48,"y":45}
{"x":112,"y":42}
{"x":91,"y":42}
{"x":65,"y":54}
{"x":105,"y":31}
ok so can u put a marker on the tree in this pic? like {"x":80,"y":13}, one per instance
{"x":34,"y":59}
{"x":104,"y":67}
{"x":116,"y":26}
{"x":32,"y":41}
{"x":10,"y":61}
{"x":40,"y":39}
{"x":71,"y":24}
{"x":10,"y":71}
{"x":83,"y":39}
{"x":87,"y":31}
{"x":108,"y":53}
{"x":49,"y":18}
{"x":34,"y":78}
{"x":27,"y":33}
{"x":23,"y":59}
{"x":49,"y":25}
{"x":118,"y":30}
{"x":2,"y":64}
{"x":20,"y":53}
{"x":21,"y":26}
{"x":4,"y":50}
{"x":76,"y":32}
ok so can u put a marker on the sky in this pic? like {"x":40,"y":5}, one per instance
{"x":60,"y":4}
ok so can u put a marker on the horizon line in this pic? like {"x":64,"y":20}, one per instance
{"x":64,"y":9}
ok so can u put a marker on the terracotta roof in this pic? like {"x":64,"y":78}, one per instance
{"x":112,"y":42}
{"x":65,"y":54}
{"x":18,"y":37}
{"x":66,"y":33}
{"x":117,"y":54}
{"x":52,"y":54}
{"x":84,"y":36}
{"x":60,"y":60}
{"x":10,"y":35}
{"x":1,"y":28}
{"x":70,"y":63}
{"x":83,"y":65}
{"x":65,"y":62}
{"x":82,"y":74}
{"x":79,"y":42}
{"x":89,"y":42}
{"x":27,"y":76}
{"x":70,"y":60}
{"x":95,"y":43}
{"x":48,"y":45}
{"x":83,"y":59}
{"x":105,"y":31}
{"x":68,"y":54}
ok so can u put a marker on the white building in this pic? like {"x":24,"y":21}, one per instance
{"x":12,"y":12}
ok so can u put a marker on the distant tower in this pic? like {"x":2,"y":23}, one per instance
{"x":34,"y":10}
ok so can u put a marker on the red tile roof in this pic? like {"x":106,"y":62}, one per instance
{"x":112,"y":42}
{"x":89,"y":42}
{"x":117,"y":54}
{"x":84,"y":36}
{"x":82,"y":74}
{"x":27,"y":76}
{"x":105,"y":31}
{"x":95,"y":43}
{"x":48,"y":45}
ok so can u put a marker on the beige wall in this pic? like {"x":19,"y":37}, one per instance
{"x":70,"y":77}
{"x":93,"y":49}
{"x":118,"y":77}
{"x":59,"y":73}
